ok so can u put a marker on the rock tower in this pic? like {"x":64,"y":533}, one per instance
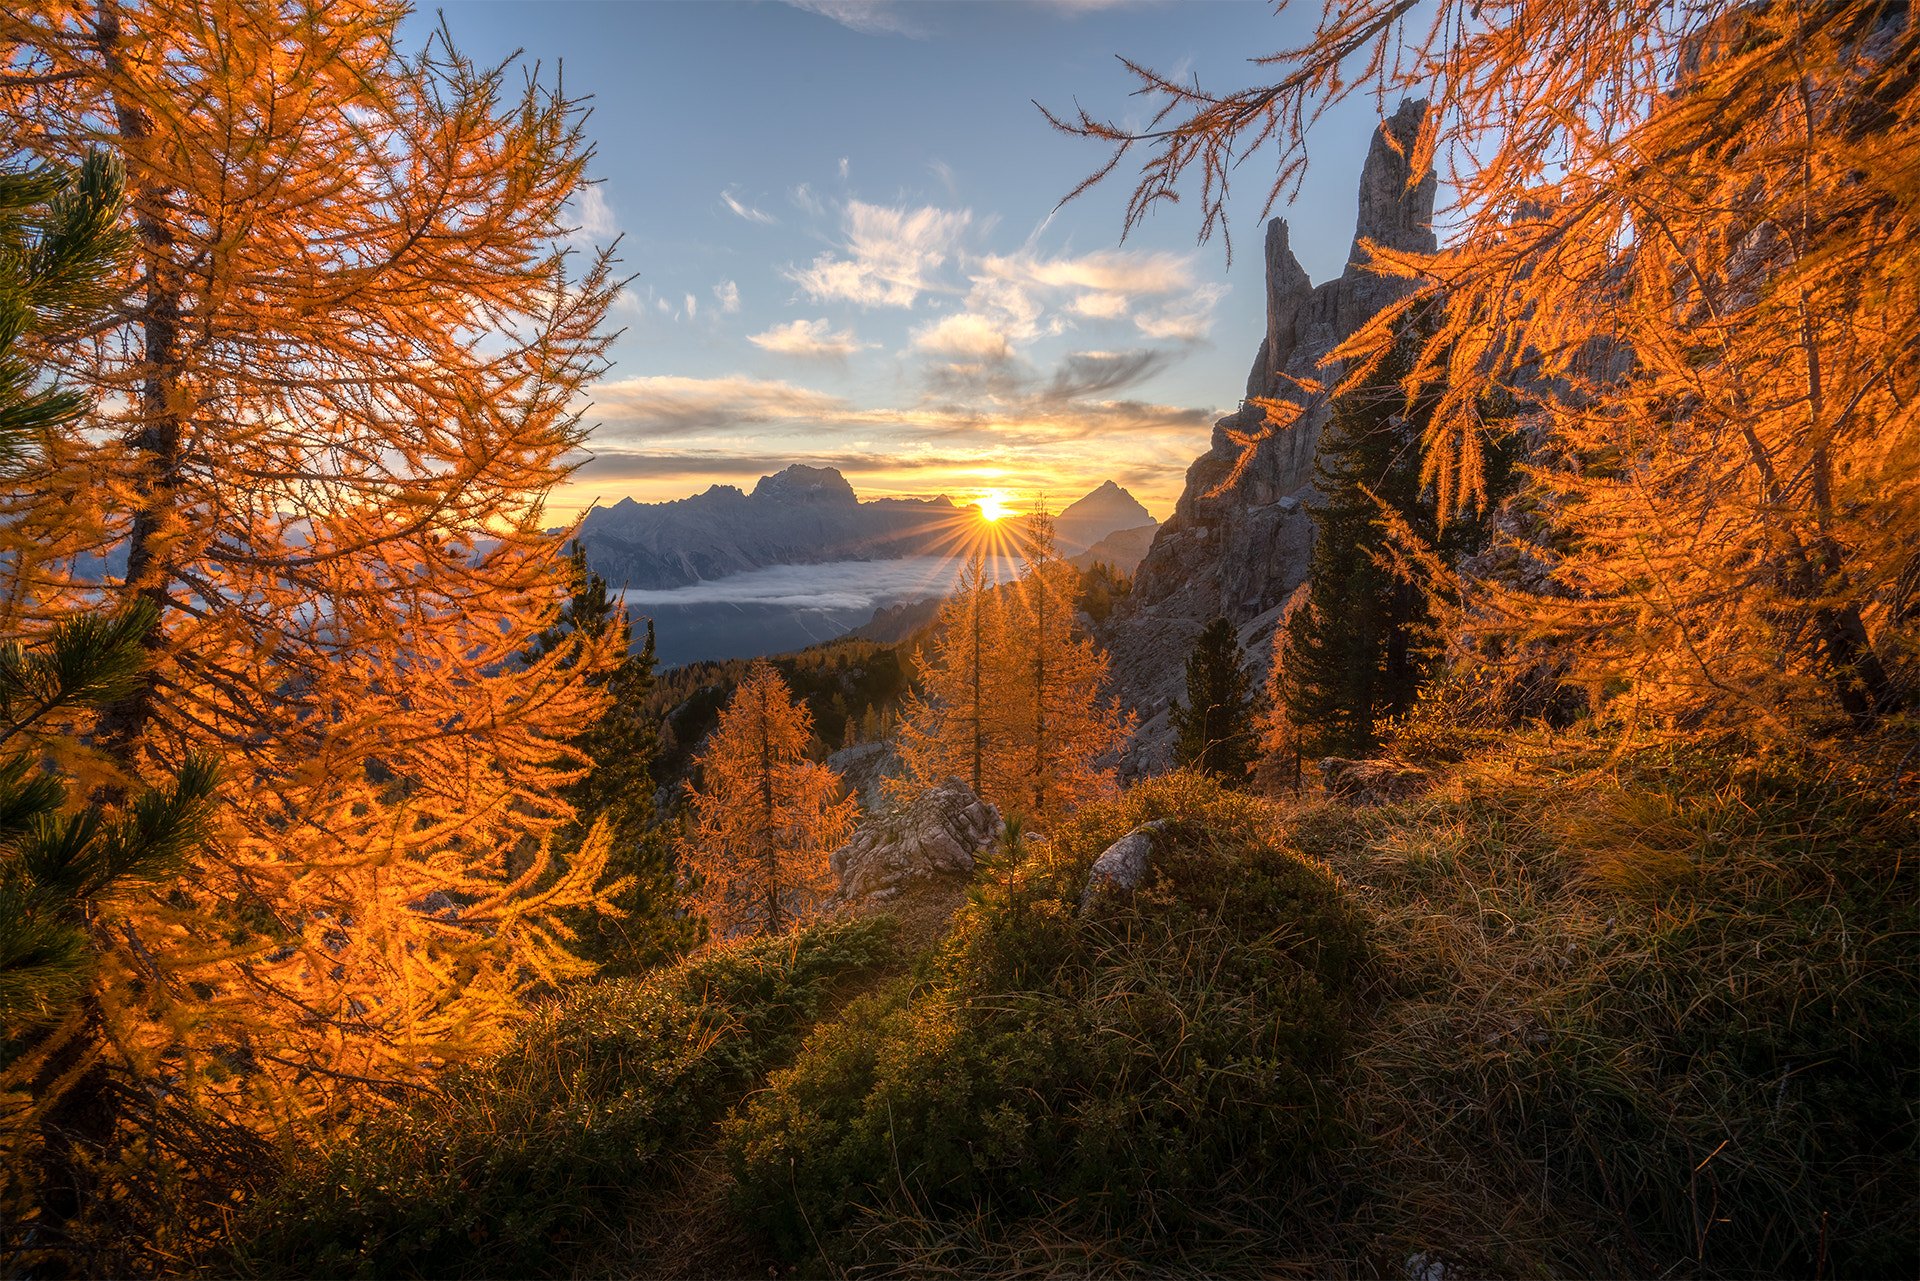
{"x":1241,"y":551}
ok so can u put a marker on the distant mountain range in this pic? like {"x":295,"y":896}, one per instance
{"x":804,"y":516}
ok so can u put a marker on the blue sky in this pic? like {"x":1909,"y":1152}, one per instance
{"x":841,"y":219}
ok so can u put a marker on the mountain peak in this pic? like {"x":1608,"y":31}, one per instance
{"x":1109,"y":498}
{"x":803,"y":484}
{"x":1106,"y":510}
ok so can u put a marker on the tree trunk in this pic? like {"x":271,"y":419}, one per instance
{"x":158,"y":443}
{"x":979,"y":695}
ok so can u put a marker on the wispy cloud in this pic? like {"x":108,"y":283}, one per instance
{"x":1115,"y":271}
{"x":654,"y":464}
{"x":807,"y":202}
{"x":1101,"y":373}
{"x":745,"y":210}
{"x":674,"y":405}
{"x":809,"y":338}
{"x":744,"y":409}
{"x":1187,"y":319}
{"x":1101,"y":306}
{"x":944,"y":172}
{"x":728,"y":295}
{"x":596,"y":225}
{"x":869,"y":17}
{"x":1029,"y":296}
{"x":964,"y":336}
{"x":890,"y":255}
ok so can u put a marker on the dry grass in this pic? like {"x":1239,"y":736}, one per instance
{"x":1088,"y":1092}
{"x":1646,"y":1014}
{"x":1634,"y":1016}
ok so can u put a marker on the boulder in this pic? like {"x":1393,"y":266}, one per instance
{"x":1123,"y":866}
{"x":929,"y":844}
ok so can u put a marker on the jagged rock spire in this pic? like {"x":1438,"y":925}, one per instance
{"x":1239,"y":550}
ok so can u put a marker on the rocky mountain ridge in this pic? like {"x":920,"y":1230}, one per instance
{"x":799,"y":516}
{"x":1237,"y":546}
{"x":1123,"y":549}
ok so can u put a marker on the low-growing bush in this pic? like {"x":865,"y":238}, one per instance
{"x":1120,"y":1069}
{"x":512,"y":1168}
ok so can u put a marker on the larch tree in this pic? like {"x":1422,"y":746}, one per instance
{"x":1213,"y":728}
{"x":1282,"y":744}
{"x":1687,"y":240}
{"x":344,"y":371}
{"x":763,"y":817}
{"x":1060,"y":721}
{"x":956,"y":725}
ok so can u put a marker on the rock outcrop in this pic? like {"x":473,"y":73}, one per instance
{"x":1238,"y":545}
{"x":924,"y":850}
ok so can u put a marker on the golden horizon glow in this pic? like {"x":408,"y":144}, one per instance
{"x":1014,"y":491}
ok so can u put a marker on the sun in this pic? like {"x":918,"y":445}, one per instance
{"x":993,"y":506}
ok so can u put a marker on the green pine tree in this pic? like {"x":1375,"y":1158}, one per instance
{"x":622,"y":746}
{"x":59,"y":861}
{"x":65,"y":860}
{"x":1215,"y":724}
{"x":1352,"y":655}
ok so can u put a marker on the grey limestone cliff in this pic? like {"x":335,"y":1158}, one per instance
{"x":1237,"y":545}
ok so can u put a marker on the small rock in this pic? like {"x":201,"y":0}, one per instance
{"x":1123,"y":865}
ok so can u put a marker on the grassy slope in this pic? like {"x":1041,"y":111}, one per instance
{"x":1568,"y":1014}
{"x":1634,"y":1016}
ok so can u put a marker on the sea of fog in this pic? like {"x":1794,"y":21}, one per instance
{"x":785,"y":607}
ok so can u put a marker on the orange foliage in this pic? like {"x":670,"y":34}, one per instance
{"x":764,"y":816}
{"x":1015,"y":702}
{"x":1685,"y":241}
{"x":339,"y":386}
{"x":956,"y":727}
